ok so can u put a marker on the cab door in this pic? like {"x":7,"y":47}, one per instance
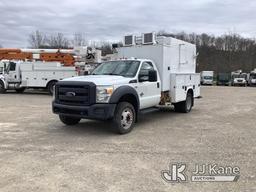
{"x":13,"y":75}
{"x":148,"y":92}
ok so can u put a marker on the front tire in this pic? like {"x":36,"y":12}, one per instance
{"x":20,"y":90}
{"x":124,"y":118}
{"x":50,"y":87}
{"x":2,"y":88}
{"x":67,"y":120}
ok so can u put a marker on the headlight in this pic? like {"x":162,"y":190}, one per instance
{"x":104,"y":93}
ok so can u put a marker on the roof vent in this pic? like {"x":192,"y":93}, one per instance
{"x":129,"y":40}
{"x":148,"y":38}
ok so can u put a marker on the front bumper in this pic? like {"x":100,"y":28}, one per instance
{"x":95,"y":111}
{"x":239,"y":83}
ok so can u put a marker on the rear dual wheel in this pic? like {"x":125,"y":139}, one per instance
{"x":185,"y":106}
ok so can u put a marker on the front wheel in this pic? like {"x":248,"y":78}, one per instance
{"x":20,"y":90}
{"x":67,"y":120}
{"x":124,"y":118}
{"x":2,"y":88}
{"x":50,"y":87}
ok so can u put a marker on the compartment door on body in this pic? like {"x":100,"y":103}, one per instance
{"x":148,"y":92}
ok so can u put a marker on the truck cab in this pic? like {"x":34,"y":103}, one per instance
{"x":10,"y":76}
{"x":119,"y":90}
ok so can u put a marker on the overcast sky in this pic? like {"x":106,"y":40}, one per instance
{"x":112,"y":19}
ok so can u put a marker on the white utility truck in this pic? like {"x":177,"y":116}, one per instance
{"x":19,"y":75}
{"x":153,"y":72}
{"x":252,"y":78}
{"x":207,"y":77}
{"x":238,"y":78}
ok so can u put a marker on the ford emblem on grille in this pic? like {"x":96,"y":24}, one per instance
{"x":70,"y":94}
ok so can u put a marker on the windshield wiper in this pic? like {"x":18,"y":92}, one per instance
{"x":112,"y":74}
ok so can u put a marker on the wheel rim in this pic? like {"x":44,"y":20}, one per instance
{"x":189,"y":102}
{"x":127,"y":118}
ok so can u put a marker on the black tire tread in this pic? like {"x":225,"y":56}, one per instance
{"x":116,"y":120}
{"x":69,"y":120}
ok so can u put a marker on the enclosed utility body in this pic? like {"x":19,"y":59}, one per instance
{"x":175,"y":61}
{"x":169,"y":54}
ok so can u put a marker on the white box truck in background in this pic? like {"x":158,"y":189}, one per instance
{"x":152,"y":72}
{"x":207,"y":77}
{"x":19,"y":75}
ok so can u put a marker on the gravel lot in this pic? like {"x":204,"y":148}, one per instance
{"x":39,"y":153}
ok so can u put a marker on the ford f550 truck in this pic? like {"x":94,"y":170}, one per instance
{"x":153,"y":72}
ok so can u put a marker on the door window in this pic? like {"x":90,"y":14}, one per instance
{"x":144,"y":71}
{"x":12,"y":66}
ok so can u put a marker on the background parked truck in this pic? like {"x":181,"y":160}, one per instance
{"x":19,"y":75}
{"x":207,"y":77}
{"x":252,"y":78}
{"x":154,"y":72}
{"x":224,"y":79}
{"x":238,"y":78}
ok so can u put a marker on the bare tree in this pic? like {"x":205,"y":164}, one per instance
{"x":58,"y":41}
{"x":79,"y":40}
{"x":37,"y":39}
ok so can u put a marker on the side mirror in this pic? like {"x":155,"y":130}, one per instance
{"x":143,"y":77}
{"x":152,"y":76}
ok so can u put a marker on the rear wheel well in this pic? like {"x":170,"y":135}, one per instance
{"x":51,"y":82}
{"x":50,"y":86}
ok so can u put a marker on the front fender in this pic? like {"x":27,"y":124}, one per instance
{"x":3,"y":81}
{"x":124,"y":90}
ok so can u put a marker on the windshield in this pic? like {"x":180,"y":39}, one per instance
{"x":122,"y":68}
{"x":239,"y":76}
{"x":208,"y":77}
{"x":253,"y":76}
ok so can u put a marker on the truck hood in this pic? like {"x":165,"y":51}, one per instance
{"x":101,"y":79}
